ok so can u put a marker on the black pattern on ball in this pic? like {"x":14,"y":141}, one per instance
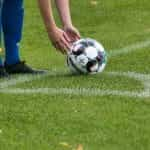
{"x":90,"y":64}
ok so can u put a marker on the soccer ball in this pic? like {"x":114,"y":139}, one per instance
{"x":86,"y":56}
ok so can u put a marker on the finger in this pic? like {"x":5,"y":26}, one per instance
{"x":66,"y":37}
{"x":59,"y":47}
{"x":62,"y":47}
{"x":77,"y":38}
{"x":55,"y":45}
{"x":74,"y":36}
{"x":65,"y":43}
{"x":77,"y":35}
{"x":65,"y":51}
{"x":74,"y":39}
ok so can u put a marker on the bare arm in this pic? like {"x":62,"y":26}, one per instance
{"x":57,"y":36}
{"x":47,"y":14}
{"x":64,"y":12}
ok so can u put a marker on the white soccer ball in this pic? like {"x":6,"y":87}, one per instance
{"x":86,"y":56}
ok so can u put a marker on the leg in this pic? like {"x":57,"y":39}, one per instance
{"x":3,"y":72}
{"x":12,"y":21}
{"x":1,"y":2}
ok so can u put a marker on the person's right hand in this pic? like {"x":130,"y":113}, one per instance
{"x":72,"y":33}
{"x":59,"y":39}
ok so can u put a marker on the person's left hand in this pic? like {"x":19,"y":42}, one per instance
{"x":72,"y":33}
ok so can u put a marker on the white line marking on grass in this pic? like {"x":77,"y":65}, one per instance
{"x":24,"y":78}
{"x":10,"y":82}
{"x":19,"y":79}
{"x":145,"y":79}
{"x":76,"y":92}
{"x":130,"y":48}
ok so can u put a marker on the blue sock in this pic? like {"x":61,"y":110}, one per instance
{"x":11,"y":51}
{"x":12,"y":21}
{"x":1,"y":62}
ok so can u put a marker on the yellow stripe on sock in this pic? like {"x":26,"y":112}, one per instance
{"x":1,"y":49}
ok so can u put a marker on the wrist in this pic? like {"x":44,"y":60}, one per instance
{"x":51,"y":27}
{"x":66,"y":25}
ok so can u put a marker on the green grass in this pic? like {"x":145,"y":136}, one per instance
{"x":42,"y":121}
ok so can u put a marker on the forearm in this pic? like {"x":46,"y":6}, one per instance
{"x":47,"y":14}
{"x":64,"y":12}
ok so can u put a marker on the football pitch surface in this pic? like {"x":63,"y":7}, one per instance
{"x":58,"y":111}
